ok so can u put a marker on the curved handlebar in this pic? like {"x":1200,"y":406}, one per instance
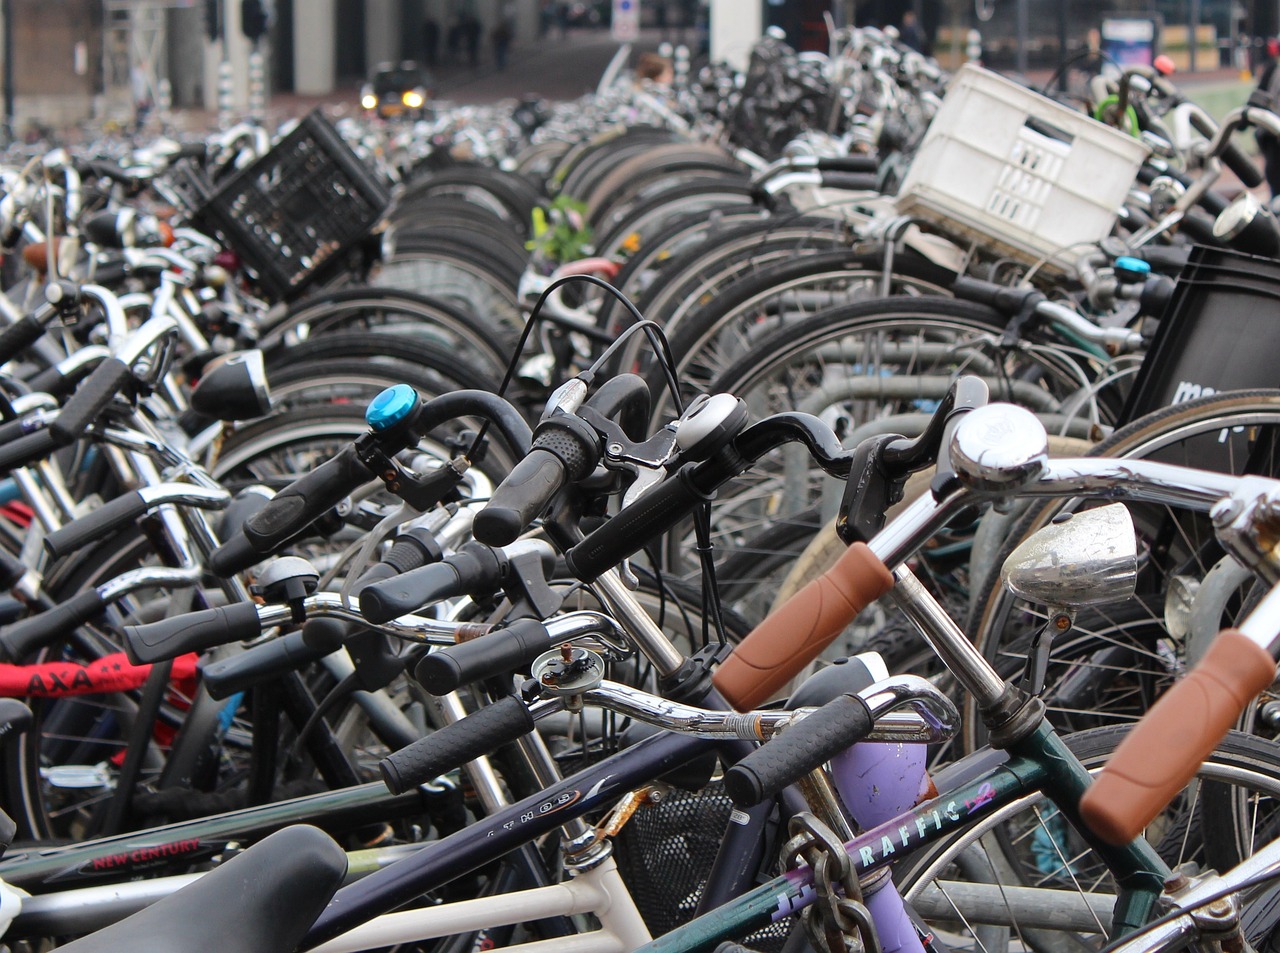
{"x":1163,"y":751}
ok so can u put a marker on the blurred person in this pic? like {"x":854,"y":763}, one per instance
{"x":1268,"y":145}
{"x":652,"y":68}
{"x":430,"y":41}
{"x":472,"y":30}
{"x":502,"y":36}
{"x":911,"y":33}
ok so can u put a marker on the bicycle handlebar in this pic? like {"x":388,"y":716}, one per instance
{"x":454,"y":745}
{"x":665,"y":505}
{"x":1163,"y":751}
{"x":795,"y":633}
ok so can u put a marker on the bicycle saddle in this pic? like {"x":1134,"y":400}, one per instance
{"x":262,"y":901}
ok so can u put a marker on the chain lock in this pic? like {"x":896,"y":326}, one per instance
{"x":838,"y":921}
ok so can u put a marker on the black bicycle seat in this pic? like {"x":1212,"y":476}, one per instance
{"x":262,"y":901}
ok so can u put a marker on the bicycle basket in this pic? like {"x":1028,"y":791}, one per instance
{"x":665,"y":853}
{"x":1214,"y":334}
{"x":1018,"y":171}
{"x":293,"y":213}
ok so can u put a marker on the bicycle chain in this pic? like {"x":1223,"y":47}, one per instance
{"x":838,"y":921}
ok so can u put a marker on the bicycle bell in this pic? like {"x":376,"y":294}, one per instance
{"x":709,"y":423}
{"x":999,"y":447}
{"x":567,"y":670}
{"x":1248,"y":226}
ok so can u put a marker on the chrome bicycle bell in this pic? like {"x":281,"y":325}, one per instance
{"x":999,"y":447}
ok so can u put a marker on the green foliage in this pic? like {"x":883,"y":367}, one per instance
{"x":560,"y":232}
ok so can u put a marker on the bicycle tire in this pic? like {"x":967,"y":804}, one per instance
{"x":488,"y":345}
{"x":348,"y":368}
{"x":463,"y":280}
{"x":708,"y":340}
{"x":640,"y":222}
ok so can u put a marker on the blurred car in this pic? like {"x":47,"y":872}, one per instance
{"x":394,"y":91}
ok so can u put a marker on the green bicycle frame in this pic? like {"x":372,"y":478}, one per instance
{"x":1041,"y":763}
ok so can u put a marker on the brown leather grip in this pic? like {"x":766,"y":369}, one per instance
{"x":795,"y":633}
{"x":1164,"y":750}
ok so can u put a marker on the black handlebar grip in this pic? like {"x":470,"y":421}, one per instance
{"x":12,"y":569}
{"x":394,"y":596}
{"x":233,"y":557}
{"x":510,"y":649}
{"x":1001,"y":297}
{"x":90,"y":399}
{"x":103,"y":521}
{"x":813,"y":741}
{"x":854,"y":164}
{"x":1239,"y":163}
{"x":54,"y":382}
{"x":851,"y":181}
{"x":19,"y":336}
{"x":454,"y":745}
{"x":475,"y":568}
{"x":192,"y":150}
{"x":519,"y":498}
{"x":27,"y":450}
{"x":225,"y":677}
{"x":634,"y":526}
{"x":24,"y":638}
{"x":191,"y":632}
{"x":1235,"y":160}
{"x":305,"y":500}
{"x":14,"y":429}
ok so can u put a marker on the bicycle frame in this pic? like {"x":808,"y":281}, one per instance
{"x":1041,"y":761}
{"x":598,"y":891}
{"x":1043,"y":764}
{"x":131,"y":854}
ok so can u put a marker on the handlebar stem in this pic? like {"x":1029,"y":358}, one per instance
{"x":646,"y":634}
{"x":933,"y":716}
{"x":117,"y":322}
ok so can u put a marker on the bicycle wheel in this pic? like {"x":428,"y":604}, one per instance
{"x":1117,"y":660}
{"x":63,"y":771}
{"x":857,"y":367}
{"x":966,"y":888}
{"x":483,"y":343}
{"x":349,"y":368}
{"x":709,"y":340}
{"x":464,"y":280}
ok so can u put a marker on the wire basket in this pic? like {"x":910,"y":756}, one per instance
{"x":665,"y":853}
{"x":292,"y":214}
{"x":1018,"y":171}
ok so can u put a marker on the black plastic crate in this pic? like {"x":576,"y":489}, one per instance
{"x":1220,"y":332}
{"x":292,"y":214}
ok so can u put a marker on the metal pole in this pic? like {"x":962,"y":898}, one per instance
{"x":1063,"y":18}
{"x":1191,"y":38}
{"x":1021,"y":62}
{"x":6,"y":10}
{"x":257,"y":85}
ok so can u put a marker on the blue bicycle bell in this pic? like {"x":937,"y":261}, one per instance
{"x":391,"y":407}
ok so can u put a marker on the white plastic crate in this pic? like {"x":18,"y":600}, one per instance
{"x":1018,"y":170}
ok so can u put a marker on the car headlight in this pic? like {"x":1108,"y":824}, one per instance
{"x":412,"y":99}
{"x":369,"y":101}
